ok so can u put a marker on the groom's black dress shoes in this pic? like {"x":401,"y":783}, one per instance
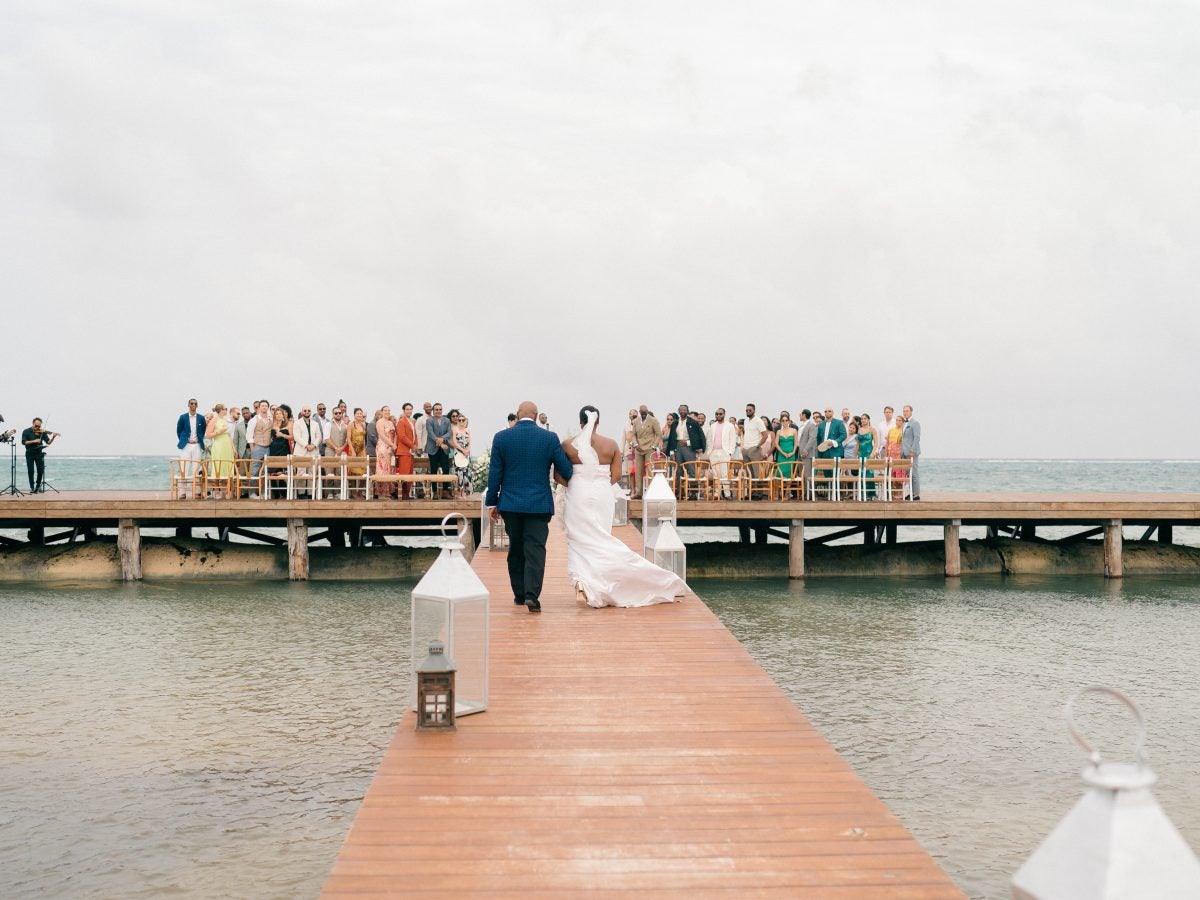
{"x":518,"y":601}
{"x":533,"y":605}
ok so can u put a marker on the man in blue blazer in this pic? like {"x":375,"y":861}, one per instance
{"x":519,"y":491}
{"x":189,"y":429}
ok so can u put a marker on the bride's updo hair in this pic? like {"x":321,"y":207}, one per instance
{"x":583,"y":417}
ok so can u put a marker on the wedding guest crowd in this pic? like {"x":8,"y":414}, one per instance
{"x":790,"y":442}
{"x":388,"y":442}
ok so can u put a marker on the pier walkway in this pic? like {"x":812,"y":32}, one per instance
{"x":624,"y":751}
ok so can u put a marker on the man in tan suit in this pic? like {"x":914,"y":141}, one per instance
{"x":647,"y":437}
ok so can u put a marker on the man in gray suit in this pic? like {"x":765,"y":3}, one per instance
{"x":806,"y":443}
{"x":910,"y":448}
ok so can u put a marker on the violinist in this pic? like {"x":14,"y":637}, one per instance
{"x":36,"y":439}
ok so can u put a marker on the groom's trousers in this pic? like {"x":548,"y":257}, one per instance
{"x":527,"y":534}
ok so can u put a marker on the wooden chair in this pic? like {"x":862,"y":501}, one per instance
{"x":874,"y":479}
{"x":822,"y":480}
{"x":695,"y":479}
{"x":658,"y":466}
{"x":358,"y":476}
{"x":899,"y":479}
{"x":220,"y":475}
{"x":276,"y":476}
{"x":722,"y":479}
{"x":735,"y":480}
{"x":849,"y":478}
{"x":187,"y":479}
{"x":300,"y":475}
{"x":759,"y":479}
{"x":790,"y":486}
{"x":331,"y":477}
{"x":244,"y":482}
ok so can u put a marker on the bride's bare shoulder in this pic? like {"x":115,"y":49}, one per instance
{"x":605,"y":447}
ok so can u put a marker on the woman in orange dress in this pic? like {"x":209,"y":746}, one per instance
{"x":385,"y":451}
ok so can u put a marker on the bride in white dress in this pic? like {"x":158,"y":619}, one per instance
{"x":606,"y":571}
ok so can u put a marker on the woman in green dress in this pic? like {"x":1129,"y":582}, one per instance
{"x":785,"y":445}
{"x":220,"y":445}
{"x":866,"y":449}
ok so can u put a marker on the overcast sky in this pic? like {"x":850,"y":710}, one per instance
{"x":988,"y":210}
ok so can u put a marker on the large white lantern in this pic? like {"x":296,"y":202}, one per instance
{"x":658,"y":504}
{"x":1116,"y":841}
{"x":667,"y":551}
{"x":450,"y":605}
{"x":620,"y":508}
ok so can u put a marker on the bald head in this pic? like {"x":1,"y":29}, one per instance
{"x":527,"y":410}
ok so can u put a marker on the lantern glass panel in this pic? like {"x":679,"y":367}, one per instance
{"x":668,"y":550}
{"x":657,"y":504}
{"x":621,"y":511}
{"x":450,"y":605}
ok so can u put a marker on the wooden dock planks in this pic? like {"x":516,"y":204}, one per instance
{"x":624,"y":751}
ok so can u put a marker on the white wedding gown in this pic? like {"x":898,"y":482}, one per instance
{"x":608,"y":571}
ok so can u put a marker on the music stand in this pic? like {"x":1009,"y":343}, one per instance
{"x":12,"y":489}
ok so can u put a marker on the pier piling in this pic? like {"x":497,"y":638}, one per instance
{"x":129,"y":545}
{"x":1114,"y":566}
{"x":796,"y":549}
{"x":953,"y":558}
{"x":297,"y":549}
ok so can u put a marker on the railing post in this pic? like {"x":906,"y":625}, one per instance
{"x":1114,"y":565}
{"x":796,"y":549}
{"x":953,"y":558}
{"x":297,"y":549}
{"x":129,"y":546}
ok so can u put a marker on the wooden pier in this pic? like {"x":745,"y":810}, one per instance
{"x":624,"y":751}
{"x":81,"y":513}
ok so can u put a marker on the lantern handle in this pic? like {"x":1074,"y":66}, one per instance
{"x":1094,"y":754}
{"x":458,"y":532}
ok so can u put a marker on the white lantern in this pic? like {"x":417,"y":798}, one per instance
{"x":658,"y":504}
{"x":1116,"y":841}
{"x":450,"y":605}
{"x":621,"y":510}
{"x":668,"y":550}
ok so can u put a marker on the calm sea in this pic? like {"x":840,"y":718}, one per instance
{"x":214,"y":739}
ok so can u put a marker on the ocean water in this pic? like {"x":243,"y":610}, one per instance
{"x":215,"y":739}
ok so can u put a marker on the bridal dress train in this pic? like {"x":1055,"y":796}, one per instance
{"x":608,"y":572}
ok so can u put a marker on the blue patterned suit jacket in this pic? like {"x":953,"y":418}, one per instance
{"x":519,"y":478}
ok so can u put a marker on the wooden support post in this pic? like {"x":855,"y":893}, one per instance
{"x":743,"y":534}
{"x":129,"y":545}
{"x":1114,"y":566}
{"x":297,"y":549}
{"x":760,"y":534}
{"x":890,"y":533}
{"x":953,"y":559}
{"x":1166,"y":534}
{"x":37,"y":535}
{"x":796,"y":549}
{"x":182,"y":532}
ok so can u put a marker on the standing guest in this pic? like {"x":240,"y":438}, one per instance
{"x":280,"y":445}
{"x":543,"y":422}
{"x":460,"y":443}
{"x":35,"y":440}
{"x":864,"y":428}
{"x":237,"y":431}
{"x":721,"y":440}
{"x":422,"y":420}
{"x":910,"y":447}
{"x":628,"y":449}
{"x":358,"y":443}
{"x":406,"y":446}
{"x":785,"y":445}
{"x":247,"y":417}
{"x":740,"y":424}
{"x":685,"y":448}
{"x":259,"y":433}
{"x":373,"y":432}
{"x":806,"y":443}
{"x":754,"y":435}
{"x":768,"y":445}
{"x":437,"y":442}
{"x":831,"y":434}
{"x":385,"y":450}
{"x":670,"y":436}
{"x":305,"y":443}
{"x":290,"y":419}
{"x":866,"y":450}
{"x":850,"y":444}
{"x":696,"y":440}
{"x":884,"y":429}
{"x":320,"y":429}
{"x":338,"y":441}
{"x":846,"y":419}
{"x":512,"y":419}
{"x":647,"y":438}
{"x":895,"y":438}
{"x":189,"y":430}
{"x":220,"y":444}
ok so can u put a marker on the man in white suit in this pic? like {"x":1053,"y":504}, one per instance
{"x":720,"y":437}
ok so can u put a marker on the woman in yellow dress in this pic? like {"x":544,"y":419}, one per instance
{"x":358,"y":440}
{"x":219,"y":443}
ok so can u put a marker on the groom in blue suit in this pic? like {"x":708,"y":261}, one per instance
{"x":519,"y":491}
